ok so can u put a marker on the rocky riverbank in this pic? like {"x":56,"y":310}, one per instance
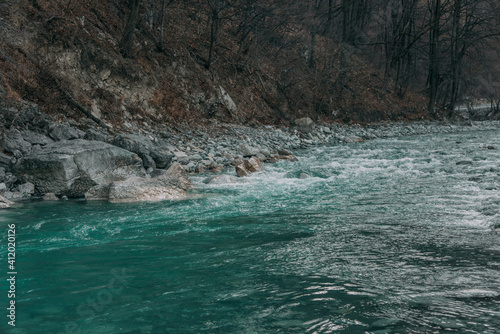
{"x":44,"y":158}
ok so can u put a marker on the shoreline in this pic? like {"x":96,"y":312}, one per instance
{"x":149,"y":153}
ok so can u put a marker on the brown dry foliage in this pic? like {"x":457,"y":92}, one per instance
{"x":270,"y":81}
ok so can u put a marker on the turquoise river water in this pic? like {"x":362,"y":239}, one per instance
{"x":387,"y":236}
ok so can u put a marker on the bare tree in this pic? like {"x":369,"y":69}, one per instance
{"x":128,"y":34}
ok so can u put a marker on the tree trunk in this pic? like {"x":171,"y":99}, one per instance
{"x":162,"y":24}
{"x":128,"y":34}
{"x":455,"y":61}
{"x":330,"y":15}
{"x":433,"y":78}
{"x":214,"y":31}
{"x":312,"y":50}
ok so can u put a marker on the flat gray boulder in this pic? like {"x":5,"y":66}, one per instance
{"x":173,"y":184}
{"x":71,"y":167}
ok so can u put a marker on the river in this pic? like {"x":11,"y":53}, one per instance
{"x":388,"y":236}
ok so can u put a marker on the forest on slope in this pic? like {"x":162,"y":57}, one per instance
{"x":249,"y":61}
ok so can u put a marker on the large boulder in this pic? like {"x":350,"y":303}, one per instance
{"x":5,"y":161}
{"x":249,"y":166}
{"x":23,"y":191}
{"x":14,"y":142}
{"x":71,"y":167}
{"x":305,"y":124}
{"x":173,"y":184}
{"x":4,"y":202}
{"x":143,"y":146}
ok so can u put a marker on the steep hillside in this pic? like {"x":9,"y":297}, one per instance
{"x":65,"y":56}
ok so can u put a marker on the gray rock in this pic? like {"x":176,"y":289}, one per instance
{"x":200,"y":169}
{"x":36,"y":138}
{"x":305,"y":124}
{"x":181,"y":157}
{"x":254,"y":165}
{"x":303,"y":176}
{"x":190,"y":167}
{"x":143,"y":145}
{"x":220,"y":179}
{"x":5,"y":161}
{"x":10,"y":180}
{"x":241,"y":171}
{"x":72,"y":167}
{"x":3,"y":188}
{"x":265,"y":152}
{"x":64,"y":132}
{"x":13,"y":141}
{"x":249,"y":166}
{"x":354,"y":139}
{"x":4,"y":202}
{"x":228,"y":101}
{"x":247,"y":151}
{"x":2,"y":174}
{"x":173,"y":184}
{"x":92,"y":134}
{"x":134,"y":143}
{"x":50,"y":197}
{"x":284,"y":152}
{"x":291,"y":158}
{"x":157,"y":172}
{"x":195,"y":157}
{"x":261,"y":157}
{"x":147,"y":161}
{"x":237,"y":162}
{"x":14,"y":195}
{"x":27,"y":189}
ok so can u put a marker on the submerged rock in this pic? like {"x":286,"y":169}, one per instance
{"x":173,"y":184}
{"x":50,"y":197}
{"x":354,"y":139}
{"x":464,"y":163}
{"x":220,"y":179}
{"x":72,"y":167}
{"x":291,"y":158}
